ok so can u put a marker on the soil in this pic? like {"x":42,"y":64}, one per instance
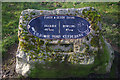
{"x":9,"y":63}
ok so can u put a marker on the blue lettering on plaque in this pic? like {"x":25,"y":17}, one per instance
{"x":59,"y":27}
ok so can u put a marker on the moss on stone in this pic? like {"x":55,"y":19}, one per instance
{"x":41,"y":11}
{"x":21,"y":26}
{"x":95,"y":41}
{"x":23,"y":44}
{"x":32,"y":13}
{"x":93,"y":16}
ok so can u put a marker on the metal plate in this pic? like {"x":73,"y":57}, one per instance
{"x":59,"y":27}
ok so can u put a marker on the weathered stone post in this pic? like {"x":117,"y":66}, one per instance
{"x":46,"y":35}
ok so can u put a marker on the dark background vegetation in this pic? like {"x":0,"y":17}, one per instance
{"x":11,"y":13}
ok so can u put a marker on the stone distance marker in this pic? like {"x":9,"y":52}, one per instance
{"x":54,"y":35}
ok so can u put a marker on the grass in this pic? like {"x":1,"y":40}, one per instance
{"x":10,"y":21}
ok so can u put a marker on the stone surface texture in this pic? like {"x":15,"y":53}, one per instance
{"x":32,"y":49}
